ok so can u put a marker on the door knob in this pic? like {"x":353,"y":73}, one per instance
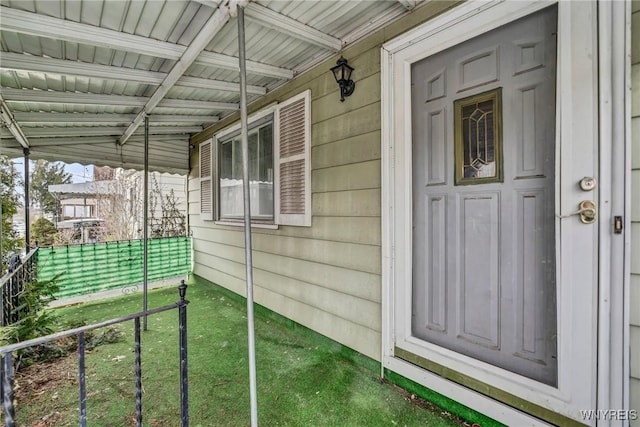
{"x":588,"y":211}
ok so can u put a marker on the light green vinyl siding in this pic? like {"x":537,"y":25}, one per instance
{"x":328,"y":276}
{"x":634,"y":382}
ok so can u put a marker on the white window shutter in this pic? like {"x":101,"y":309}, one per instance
{"x":206,"y":181}
{"x":293,"y":161}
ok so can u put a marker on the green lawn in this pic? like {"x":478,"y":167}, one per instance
{"x":303,"y":379}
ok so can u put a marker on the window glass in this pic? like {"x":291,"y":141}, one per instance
{"x":231,"y":199}
{"x":477,"y":131}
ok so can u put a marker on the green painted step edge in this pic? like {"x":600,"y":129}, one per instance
{"x":440,"y":400}
{"x":355,"y":357}
{"x":493,"y":392}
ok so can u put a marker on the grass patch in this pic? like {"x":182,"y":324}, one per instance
{"x":301,"y":381}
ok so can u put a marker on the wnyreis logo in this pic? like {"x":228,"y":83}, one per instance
{"x":609,"y":414}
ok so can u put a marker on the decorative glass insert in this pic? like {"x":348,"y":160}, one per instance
{"x":478,"y":138}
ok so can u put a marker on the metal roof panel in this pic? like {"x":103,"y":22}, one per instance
{"x":282,"y":40}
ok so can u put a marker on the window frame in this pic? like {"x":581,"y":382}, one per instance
{"x":290,"y":115}
{"x":227,"y":136}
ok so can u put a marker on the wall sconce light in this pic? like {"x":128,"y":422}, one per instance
{"x":342,"y":74}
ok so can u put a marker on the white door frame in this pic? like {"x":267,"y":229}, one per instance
{"x":462,"y":23}
{"x":615,"y":166}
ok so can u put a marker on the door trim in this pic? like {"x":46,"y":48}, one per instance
{"x":615,"y":171}
{"x":461,"y":23}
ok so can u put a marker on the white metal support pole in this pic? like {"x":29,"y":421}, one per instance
{"x":247,"y":217}
{"x":145,"y":221}
{"x":27,"y":203}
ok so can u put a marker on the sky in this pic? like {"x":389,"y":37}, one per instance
{"x":78,"y":172}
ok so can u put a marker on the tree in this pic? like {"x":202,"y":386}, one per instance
{"x":122,"y":209}
{"x":9,"y":182}
{"x":45,"y":174}
{"x":44,"y":232}
{"x":172,"y":222}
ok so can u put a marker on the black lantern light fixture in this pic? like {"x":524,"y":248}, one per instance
{"x":342,"y":74}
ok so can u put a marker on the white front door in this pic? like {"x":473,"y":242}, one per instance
{"x":483,"y":135}
{"x":493,"y":124}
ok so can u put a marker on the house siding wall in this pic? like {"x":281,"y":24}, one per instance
{"x":634,"y":381}
{"x":327,"y":276}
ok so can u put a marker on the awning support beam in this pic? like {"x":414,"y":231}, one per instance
{"x":208,"y":32}
{"x":145,"y":227}
{"x":11,"y":124}
{"x":27,"y":202}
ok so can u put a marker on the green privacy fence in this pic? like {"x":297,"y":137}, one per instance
{"x":95,"y":267}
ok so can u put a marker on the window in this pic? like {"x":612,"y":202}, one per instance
{"x":477,"y":135}
{"x":76,"y":211}
{"x":230,"y":192}
{"x":69,"y":211}
{"x":279,"y":168}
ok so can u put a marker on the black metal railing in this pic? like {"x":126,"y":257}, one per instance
{"x":181,"y":305}
{"x":12,"y":284}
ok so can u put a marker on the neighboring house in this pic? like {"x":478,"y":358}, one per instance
{"x":460,"y":217}
{"x":113,"y":208}
{"x":81,"y":206}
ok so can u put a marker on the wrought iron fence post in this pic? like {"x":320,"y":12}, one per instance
{"x":7,"y":385}
{"x":81,"y":381}
{"x":6,"y":366}
{"x":138,"y":368}
{"x":184,"y":379}
{"x":2,"y":378}
{"x":3,"y":293}
{"x":16,"y":287}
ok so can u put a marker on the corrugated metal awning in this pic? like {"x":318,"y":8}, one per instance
{"x":79,"y":76}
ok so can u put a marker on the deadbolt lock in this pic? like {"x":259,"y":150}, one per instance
{"x":588,"y":212}
{"x":588,"y":183}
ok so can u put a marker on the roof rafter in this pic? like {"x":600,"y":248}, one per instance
{"x":10,"y":122}
{"x":231,"y":63}
{"x":53,"y":132}
{"x":39,"y":25}
{"x":208,"y":32}
{"x":60,"y":29}
{"x":31,"y":96}
{"x":29,"y":63}
{"x":51,"y":97}
{"x":83,"y":140}
{"x":51,"y":118}
{"x":202,"y":83}
{"x":265,"y":16}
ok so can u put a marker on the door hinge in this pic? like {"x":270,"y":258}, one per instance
{"x":617,"y":224}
